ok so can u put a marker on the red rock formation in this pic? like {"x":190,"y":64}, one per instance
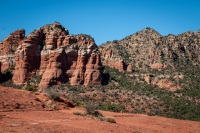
{"x":53,"y":72}
{"x":8,"y":47}
{"x":58,"y":57}
{"x":27,"y":57}
{"x":113,"y":60}
{"x":78,"y":75}
{"x":88,"y":64}
{"x":93,"y":73}
{"x":116,"y":64}
{"x":10,"y":43}
{"x":69,"y":39}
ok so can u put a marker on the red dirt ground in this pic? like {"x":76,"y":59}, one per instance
{"x":22,"y":112}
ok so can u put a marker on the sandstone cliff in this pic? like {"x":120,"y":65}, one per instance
{"x":8,"y":47}
{"x":53,"y":53}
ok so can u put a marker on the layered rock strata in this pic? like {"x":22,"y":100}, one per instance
{"x":8,"y":47}
{"x":57,"y":56}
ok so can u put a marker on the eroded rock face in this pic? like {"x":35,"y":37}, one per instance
{"x":88,"y":64}
{"x":8,"y":47}
{"x":27,"y":57}
{"x":51,"y":52}
{"x":116,"y":64}
{"x":54,"y":72}
{"x":93,"y":67}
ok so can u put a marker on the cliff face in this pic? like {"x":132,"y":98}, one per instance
{"x":78,"y":62}
{"x":148,"y":51}
{"x":8,"y":47}
{"x":55,"y":55}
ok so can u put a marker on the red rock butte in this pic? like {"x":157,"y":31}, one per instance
{"x":53,"y":53}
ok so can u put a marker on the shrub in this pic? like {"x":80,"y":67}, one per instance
{"x":36,"y":79}
{"x":113,"y":107}
{"x":115,"y":41}
{"x":79,"y":113}
{"x":110,"y":119}
{"x":91,"y":110}
{"x":52,"y":94}
{"x":30,"y":87}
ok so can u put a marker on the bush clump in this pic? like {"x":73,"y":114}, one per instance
{"x":30,"y":87}
{"x":91,"y":109}
{"x":110,"y":119}
{"x":53,"y":94}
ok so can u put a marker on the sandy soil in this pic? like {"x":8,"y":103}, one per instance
{"x":36,"y":118}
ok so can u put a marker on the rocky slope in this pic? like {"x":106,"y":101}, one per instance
{"x":151,"y":54}
{"x":52,"y":52}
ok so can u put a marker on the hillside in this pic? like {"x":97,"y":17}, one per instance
{"x":158,"y":60}
{"x":162,"y":72}
{"x":148,"y":49}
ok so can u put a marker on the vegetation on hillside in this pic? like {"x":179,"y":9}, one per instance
{"x":123,"y":94}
